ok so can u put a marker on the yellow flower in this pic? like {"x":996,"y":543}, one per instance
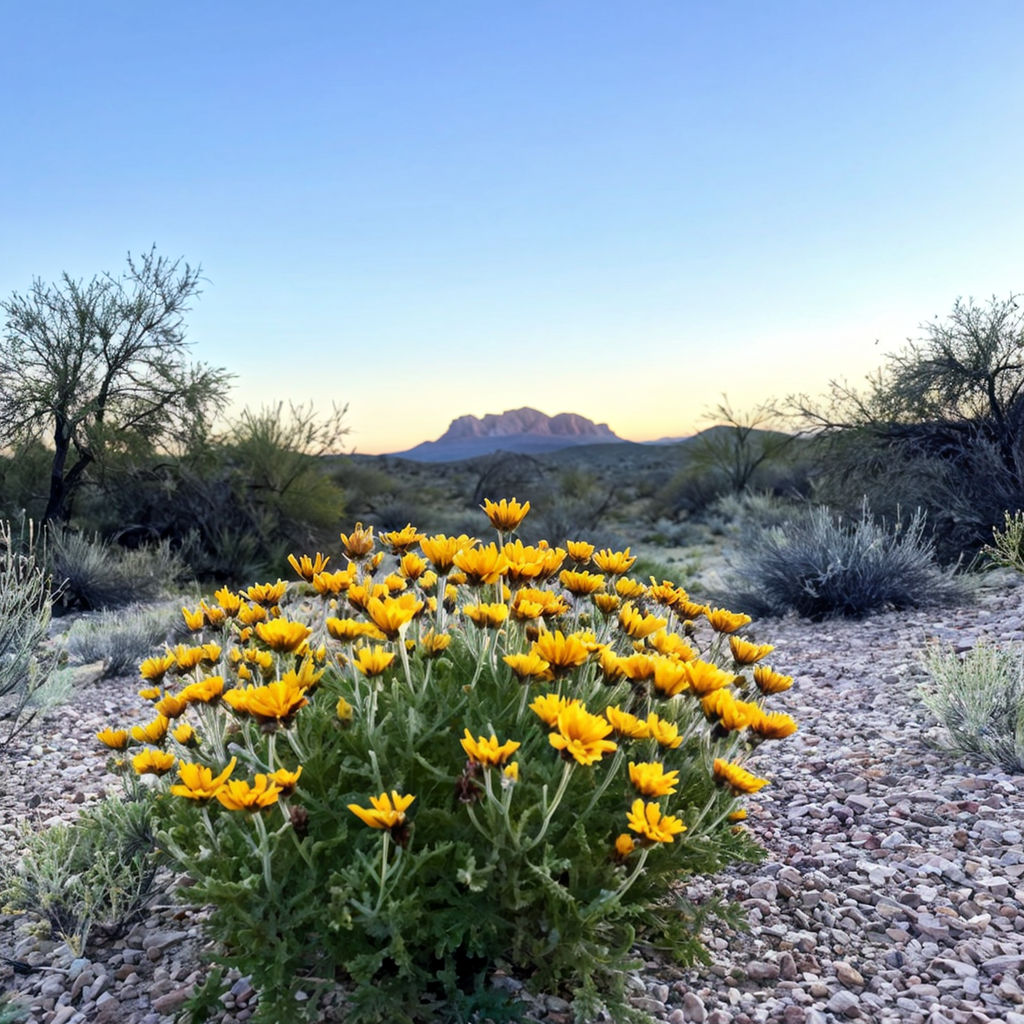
{"x":511,"y":771}
{"x":705,"y":677}
{"x":151,"y":693}
{"x":614,"y":562}
{"x":240,"y":795}
{"x":724,"y":621}
{"x":610,"y":664}
{"x":579,"y":551}
{"x":154,"y":669}
{"x":529,"y":603}
{"x":250,"y":614}
{"x":307,"y":567}
{"x":209,"y":654}
{"x":528,"y":666}
{"x":194,"y":621}
{"x":736,"y":777}
{"x":665,"y":593}
{"x":359,"y":594}
{"x":651,"y":779}
{"x":284,"y":636}
{"x":198,"y":781}
{"x":305,"y":677}
{"x":386,"y":812}
{"x":278,"y":701}
{"x":689,"y":609}
{"x":652,"y":825}
{"x":626,"y":724}
{"x":228,"y":600}
{"x":624,"y":845}
{"x":433,"y":644}
{"x":333,"y":583}
{"x":359,"y":542}
{"x":629,"y":589}
{"x":285,"y":779}
{"x":347,"y":630}
{"x":481,"y":565}
{"x":670,"y":676}
{"x":665,"y":733}
{"x":411,"y":566}
{"x":531,"y":563}
{"x":205,"y":691}
{"x":441,"y":550}
{"x":395,"y":583}
{"x":153,"y":762}
{"x":267,"y":594}
{"x":372,"y":661}
{"x":550,"y":706}
{"x":746,"y":653}
{"x":151,"y":732}
{"x":171,"y":706}
{"x":607,"y":603}
{"x":581,"y":583}
{"x":401,"y":540}
{"x":486,"y":616}
{"x":488,"y":751}
{"x":392,"y":615}
{"x":769,"y":681}
{"x":116,"y":739}
{"x":213,"y":615}
{"x":732,"y":714}
{"x":505,"y":515}
{"x":671,"y":645}
{"x":343,"y":710}
{"x":774,"y":726}
{"x":562,"y":653}
{"x":637,"y":667}
{"x":581,"y":735}
{"x":185,"y":735}
{"x":638,"y":625}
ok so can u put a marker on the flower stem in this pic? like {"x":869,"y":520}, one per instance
{"x":553,"y":806}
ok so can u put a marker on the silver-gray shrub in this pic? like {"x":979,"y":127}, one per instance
{"x":979,"y":700}
{"x":27,"y":668}
{"x":820,"y":564}
{"x":123,"y":638}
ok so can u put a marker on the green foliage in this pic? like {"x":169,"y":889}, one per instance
{"x":120,"y":639}
{"x":474,"y":864}
{"x":96,"y":874}
{"x":27,"y":669}
{"x":979,"y":699}
{"x":12,"y":1011}
{"x":820,"y":564}
{"x":1007,"y":547}
{"x":93,"y":573}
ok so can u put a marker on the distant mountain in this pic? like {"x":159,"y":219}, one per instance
{"x":525,"y":431}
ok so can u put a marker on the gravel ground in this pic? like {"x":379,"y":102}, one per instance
{"x":893,"y":890}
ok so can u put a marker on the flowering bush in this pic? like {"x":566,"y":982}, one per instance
{"x":444,"y":758}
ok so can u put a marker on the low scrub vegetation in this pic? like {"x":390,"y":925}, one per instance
{"x":120,"y":639}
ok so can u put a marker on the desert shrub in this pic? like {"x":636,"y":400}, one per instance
{"x":402,"y":772}
{"x":28,"y":677}
{"x":12,"y":1011}
{"x":96,"y":874}
{"x":120,"y":639}
{"x":821,"y":564}
{"x":93,"y":573}
{"x":979,"y":700}
{"x":742,"y":515}
{"x":1007,"y":547}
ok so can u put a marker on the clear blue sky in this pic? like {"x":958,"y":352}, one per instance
{"x":434,"y":208}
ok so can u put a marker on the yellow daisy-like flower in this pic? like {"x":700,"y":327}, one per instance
{"x":774,"y":726}
{"x":625,"y":844}
{"x":154,"y":669}
{"x":733,"y":715}
{"x":510,"y":773}
{"x":530,"y":603}
{"x":505,"y":515}
{"x":278,"y":701}
{"x":250,"y":614}
{"x":610,"y":664}
{"x":651,"y":779}
{"x":607,"y":603}
{"x":441,"y":550}
{"x":746,"y":653}
{"x":549,"y":707}
{"x":482,"y":565}
{"x":285,"y":779}
{"x":284,"y":636}
{"x":529,"y":666}
{"x":391,"y":615}
{"x":213,"y":615}
{"x":307,"y":567}
{"x":562,"y":653}
{"x":581,"y":735}
{"x":579,"y":551}
{"x":672,"y":645}
{"x":228,"y":600}
{"x":638,"y":625}
{"x":647,"y":820}
{"x":385,"y":811}
{"x":185,"y":735}
{"x":343,"y":710}
{"x":705,"y":677}
{"x":151,"y":693}
{"x":267,"y":594}
{"x":665,"y":592}
{"x":194,"y":620}
{"x":372,"y":661}
{"x":670,"y":676}
{"x":724,"y":621}
{"x":171,"y":706}
{"x":629,"y":589}
{"x":116,"y":739}
{"x":486,"y":616}
{"x":198,"y":782}
{"x":581,"y":583}
{"x":359,"y":542}
{"x":401,"y":540}
{"x":664,"y":733}
{"x":209,"y":654}
{"x":528,"y":563}
{"x":689,"y":609}
{"x":153,"y":762}
{"x":306,"y":676}
{"x":412,"y":566}
{"x":347,"y":630}
{"x":488,"y":751}
{"x":395,"y":583}
{"x":360,"y":594}
{"x":152,"y":732}
{"x":240,"y":795}
{"x":615,"y":563}
{"x":432,"y":644}
{"x":330,"y":584}
{"x":627,"y":725}
{"x":736,"y":777}
{"x":769,"y":681}
{"x":205,"y":691}
{"x":637,"y":667}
